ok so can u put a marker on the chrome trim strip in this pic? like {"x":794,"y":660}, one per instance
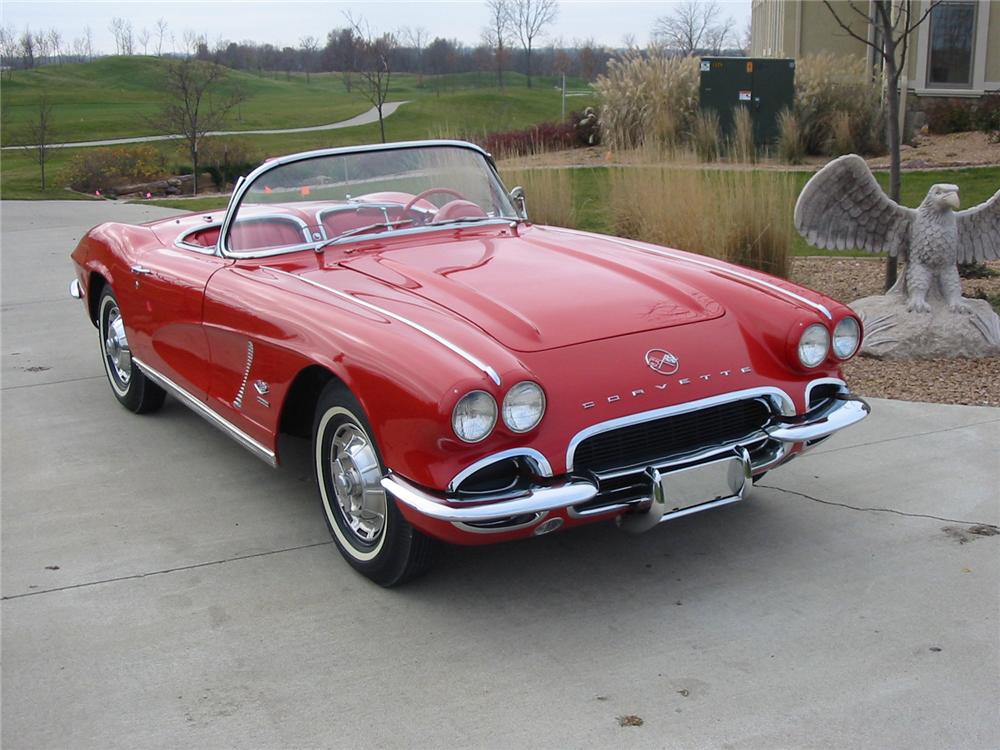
{"x":535,"y":501}
{"x":416,"y":231}
{"x":399,"y":318}
{"x":244,"y":182}
{"x":726,"y":271}
{"x":202,"y":409}
{"x":843,"y":412}
{"x":535,"y":518}
{"x":541,"y":464}
{"x":75,"y":290}
{"x":823,"y":381}
{"x":788,"y":407}
{"x":238,"y":401}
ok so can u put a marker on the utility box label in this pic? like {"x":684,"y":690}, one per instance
{"x":705,"y":66}
{"x":744,"y":95}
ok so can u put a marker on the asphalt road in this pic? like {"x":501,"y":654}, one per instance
{"x":163,"y":588}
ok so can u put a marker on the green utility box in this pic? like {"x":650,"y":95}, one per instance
{"x":764,"y":85}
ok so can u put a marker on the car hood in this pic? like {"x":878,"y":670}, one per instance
{"x":537,"y":290}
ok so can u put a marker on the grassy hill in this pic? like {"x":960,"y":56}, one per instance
{"x":116,"y":97}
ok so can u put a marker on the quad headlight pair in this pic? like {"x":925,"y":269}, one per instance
{"x":475,"y":414}
{"x":815,"y":342}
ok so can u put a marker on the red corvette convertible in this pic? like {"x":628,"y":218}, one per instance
{"x":464,"y":375}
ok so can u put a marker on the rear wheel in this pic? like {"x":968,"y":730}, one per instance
{"x":363,"y":520}
{"x":131,"y":387}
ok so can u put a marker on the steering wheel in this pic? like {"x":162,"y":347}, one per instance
{"x":430,"y":191}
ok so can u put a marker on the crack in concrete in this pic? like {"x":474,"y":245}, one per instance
{"x":51,"y":382}
{"x":179,"y":568}
{"x":876,"y":510}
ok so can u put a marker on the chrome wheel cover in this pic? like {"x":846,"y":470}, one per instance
{"x":116,"y":349}
{"x":355,"y":476}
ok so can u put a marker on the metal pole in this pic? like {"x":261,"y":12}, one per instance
{"x":564,"y":96}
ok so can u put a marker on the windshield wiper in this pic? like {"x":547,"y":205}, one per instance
{"x":361,"y":230}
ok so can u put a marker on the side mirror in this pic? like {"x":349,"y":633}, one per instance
{"x":517,"y":198}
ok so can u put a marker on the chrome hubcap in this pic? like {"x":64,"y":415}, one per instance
{"x":116,"y":346}
{"x":356,"y":475}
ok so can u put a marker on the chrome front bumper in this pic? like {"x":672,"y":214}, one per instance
{"x":841,"y":411}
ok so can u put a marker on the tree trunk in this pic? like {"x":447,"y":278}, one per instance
{"x":194,"y":180}
{"x":41,"y":163}
{"x":527,"y":60}
{"x":892,"y":135}
{"x":381,"y":122}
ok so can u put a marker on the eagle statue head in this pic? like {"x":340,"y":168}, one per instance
{"x":943,"y":197}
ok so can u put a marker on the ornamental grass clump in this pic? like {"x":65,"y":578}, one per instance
{"x":741,"y":216}
{"x":741,"y":144}
{"x":706,"y":135}
{"x":648,"y":100}
{"x":791,"y":144}
{"x":838,"y":104}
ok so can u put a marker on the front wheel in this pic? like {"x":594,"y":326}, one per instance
{"x":131,"y":387}
{"x":363,"y":520}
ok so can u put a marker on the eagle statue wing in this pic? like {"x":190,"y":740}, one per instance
{"x":979,"y":232}
{"x":843,"y":206}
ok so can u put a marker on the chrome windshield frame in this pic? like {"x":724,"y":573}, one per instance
{"x":244,"y":183}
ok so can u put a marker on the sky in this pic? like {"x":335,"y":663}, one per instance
{"x":607,"y":22}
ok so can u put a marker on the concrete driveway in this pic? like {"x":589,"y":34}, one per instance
{"x":163,"y":588}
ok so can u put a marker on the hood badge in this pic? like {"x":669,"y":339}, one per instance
{"x":662,"y":361}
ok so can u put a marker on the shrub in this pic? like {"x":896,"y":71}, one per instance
{"x":587,"y":126}
{"x":648,"y":100}
{"x":828,"y":87}
{"x":841,"y":137}
{"x":987,"y":116}
{"x":104,"y":168}
{"x":741,"y":145}
{"x":226,"y":159}
{"x":791,"y":143}
{"x":546,"y":136}
{"x":706,"y":135}
{"x":949,"y":115}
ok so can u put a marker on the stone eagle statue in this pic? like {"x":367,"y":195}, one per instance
{"x":842,"y":206}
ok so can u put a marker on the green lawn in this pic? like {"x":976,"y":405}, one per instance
{"x":115,"y":97}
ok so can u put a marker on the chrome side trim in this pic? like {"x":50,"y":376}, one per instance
{"x":399,"y":318}
{"x":788,"y":407}
{"x":238,"y":401}
{"x":202,"y":409}
{"x":542,"y":465}
{"x":535,"y":518}
{"x":714,"y":267}
{"x":534,"y":501}
{"x":75,"y":290}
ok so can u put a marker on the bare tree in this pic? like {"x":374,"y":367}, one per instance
{"x":28,"y":47}
{"x":161,"y":30}
{"x":191,"y":39}
{"x":41,"y":47}
{"x":309,"y":45}
{"x":498,"y":32}
{"x":190,"y":109}
{"x":143,"y":38}
{"x":55,"y":44}
{"x":8,"y":52}
{"x":417,"y":39}
{"x":530,"y":17}
{"x":88,"y":42}
{"x":38,"y":133}
{"x":116,"y":27}
{"x":893,"y":21}
{"x":693,"y":26}
{"x":128,"y":44}
{"x":374,"y":63}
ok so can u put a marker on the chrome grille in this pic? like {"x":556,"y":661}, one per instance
{"x":648,"y":442}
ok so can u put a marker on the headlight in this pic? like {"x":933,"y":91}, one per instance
{"x":523,"y":406}
{"x":474,"y":416}
{"x":814,"y":345}
{"x":846,"y":338}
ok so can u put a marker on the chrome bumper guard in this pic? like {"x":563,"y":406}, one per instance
{"x":75,"y":290}
{"x":728,"y":469}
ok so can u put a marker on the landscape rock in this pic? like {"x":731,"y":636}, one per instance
{"x":891,"y":332}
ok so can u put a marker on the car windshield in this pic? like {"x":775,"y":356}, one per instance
{"x":321,"y":199}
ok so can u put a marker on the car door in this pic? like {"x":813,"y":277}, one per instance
{"x":167,"y":333}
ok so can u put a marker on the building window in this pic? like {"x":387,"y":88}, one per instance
{"x":952,"y":32}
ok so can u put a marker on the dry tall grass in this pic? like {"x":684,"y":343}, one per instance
{"x":741,"y":216}
{"x":706,"y":136}
{"x":741,"y":144}
{"x":829,"y":89}
{"x":648,"y":100}
{"x":548,"y":194}
{"x":791,"y":143}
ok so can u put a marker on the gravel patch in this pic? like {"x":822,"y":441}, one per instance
{"x":944,"y":381}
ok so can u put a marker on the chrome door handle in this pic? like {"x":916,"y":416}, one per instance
{"x":141,"y":271}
